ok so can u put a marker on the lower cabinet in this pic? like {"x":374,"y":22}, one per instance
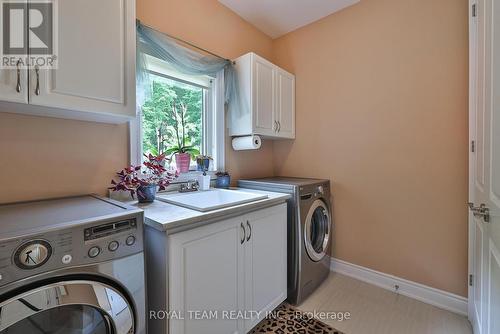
{"x":225,"y":277}
{"x":265,"y":262}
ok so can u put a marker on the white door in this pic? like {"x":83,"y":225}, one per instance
{"x":266,"y":262}
{"x":263,"y":100}
{"x":484,"y":226}
{"x":206,"y":274}
{"x":96,"y":59}
{"x":285,"y":104}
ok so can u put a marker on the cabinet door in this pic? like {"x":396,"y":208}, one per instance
{"x":96,"y":59}
{"x":263,"y":97}
{"x":266,"y":261}
{"x":285,"y":104}
{"x":206,"y":274}
{"x":14,"y":85}
{"x":13,"y":81}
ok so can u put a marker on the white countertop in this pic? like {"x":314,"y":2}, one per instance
{"x":172,"y":218}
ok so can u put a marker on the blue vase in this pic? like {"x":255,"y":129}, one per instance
{"x":223,"y":182}
{"x":205,"y":164}
{"x":146,"y":194}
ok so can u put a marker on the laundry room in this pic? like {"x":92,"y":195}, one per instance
{"x":249,"y":166}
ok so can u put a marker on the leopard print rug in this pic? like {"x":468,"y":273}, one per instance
{"x":287,"y":320}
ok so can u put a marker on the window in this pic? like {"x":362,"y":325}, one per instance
{"x":173,"y":117}
{"x":181,"y":110}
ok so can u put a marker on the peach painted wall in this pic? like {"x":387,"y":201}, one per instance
{"x":210,"y":25}
{"x":42,"y":157}
{"x":47,"y":157}
{"x":382,"y":112}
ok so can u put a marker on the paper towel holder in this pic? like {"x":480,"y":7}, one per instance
{"x":243,"y":143}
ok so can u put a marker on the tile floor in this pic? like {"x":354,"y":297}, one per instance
{"x":377,"y":311}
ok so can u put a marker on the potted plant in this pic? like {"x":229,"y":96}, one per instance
{"x":155,"y":176}
{"x":203,"y":162}
{"x":223,"y":180}
{"x":183,"y":149}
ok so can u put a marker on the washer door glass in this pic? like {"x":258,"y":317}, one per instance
{"x":317,"y":230}
{"x":69,"y":319}
{"x":68,"y":307}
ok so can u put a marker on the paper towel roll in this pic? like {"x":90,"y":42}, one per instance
{"x":247,"y":143}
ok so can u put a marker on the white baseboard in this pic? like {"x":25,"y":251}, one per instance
{"x":426,"y":294}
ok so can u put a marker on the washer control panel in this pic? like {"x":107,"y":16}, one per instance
{"x":311,"y":192}
{"x":111,"y":238}
{"x":104,"y":230}
{"x":83,"y":244}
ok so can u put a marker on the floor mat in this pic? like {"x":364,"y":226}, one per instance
{"x":287,"y":320}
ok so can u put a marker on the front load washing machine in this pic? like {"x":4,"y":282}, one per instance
{"x":71,"y":266}
{"x":310,"y":230}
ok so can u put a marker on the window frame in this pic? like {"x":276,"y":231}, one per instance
{"x":213,"y":127}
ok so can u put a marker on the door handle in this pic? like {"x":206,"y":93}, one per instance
{"x":244,"y":233}
{"x":18,"y":85}
{"x":37,"y":88}
{"x":249,"y":230}
{"x":480,"y":211}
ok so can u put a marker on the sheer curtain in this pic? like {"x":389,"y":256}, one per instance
{"x":153,"y":43}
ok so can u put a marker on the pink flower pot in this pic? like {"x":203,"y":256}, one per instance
{"x":183,"y":160}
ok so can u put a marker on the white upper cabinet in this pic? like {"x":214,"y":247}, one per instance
{"x":13,"y":85}
{"x":267,"y":94}
{"x":285,"y":104}
{"x":264,"y":97}
{"x":96,"y":59}
{"x":14,"y":81}
{"x":95,"y":75}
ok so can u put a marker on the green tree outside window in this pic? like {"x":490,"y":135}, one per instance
{"x":159,"y":123}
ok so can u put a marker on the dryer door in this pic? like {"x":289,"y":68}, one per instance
{"x":317,"y":230}
{"x":71,"y":307}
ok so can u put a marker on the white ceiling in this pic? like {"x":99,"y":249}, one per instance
{"x":278,"y":17}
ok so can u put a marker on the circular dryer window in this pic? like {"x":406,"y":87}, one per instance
{"x":317,"y":230}
{"x":69,"y":307}
{"x":64,"y":319}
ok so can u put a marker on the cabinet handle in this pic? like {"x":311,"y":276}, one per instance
{"x":249,"y":230}
{"x":18,"y":86}
{"x":244,"y":233}
{"x":275,"y":126}
{"x":279,"y":126}
{"x":37,"y":88}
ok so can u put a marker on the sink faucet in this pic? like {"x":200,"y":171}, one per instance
{"x":191,"y":185}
